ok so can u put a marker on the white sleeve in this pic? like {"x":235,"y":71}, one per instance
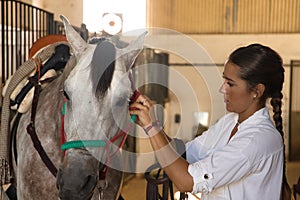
{"x":202,"y":145}
{"x":221,"y":167}
{"x":201,"y":178}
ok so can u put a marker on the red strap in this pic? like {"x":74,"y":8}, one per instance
{"x":133,"y":98}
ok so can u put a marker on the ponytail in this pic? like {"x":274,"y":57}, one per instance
{"x":276,"y":103}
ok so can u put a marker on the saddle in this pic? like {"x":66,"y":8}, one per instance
{"x":22,"y":96}
{"x":18,"y":94}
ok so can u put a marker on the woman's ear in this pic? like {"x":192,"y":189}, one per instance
{"x":259,"y":90}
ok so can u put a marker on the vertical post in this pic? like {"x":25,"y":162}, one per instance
{"x":234,"y":14}
{"x":290,"y":110}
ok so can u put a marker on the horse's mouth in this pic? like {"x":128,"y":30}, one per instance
{"x":85,"y":193}
{"x":78,"y":176}
{"x":74,"y":195}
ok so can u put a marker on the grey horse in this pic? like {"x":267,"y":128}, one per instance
{"x":95,"y":88}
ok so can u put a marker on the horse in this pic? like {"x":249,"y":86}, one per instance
{"x":94,"y":90}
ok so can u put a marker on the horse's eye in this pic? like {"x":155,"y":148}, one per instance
{"x":121,"y":101}
{"x":66,"y":95}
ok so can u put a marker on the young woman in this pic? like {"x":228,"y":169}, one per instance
{"x":242,"y":155}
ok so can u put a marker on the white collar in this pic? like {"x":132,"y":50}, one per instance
{"x":259,"y":115}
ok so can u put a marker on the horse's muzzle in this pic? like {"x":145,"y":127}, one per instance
{"x":78,"y":176}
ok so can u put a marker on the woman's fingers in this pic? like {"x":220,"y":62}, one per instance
{"x":138,"y":106}
{"x":144,"y":100}
{"x":142,"y":111}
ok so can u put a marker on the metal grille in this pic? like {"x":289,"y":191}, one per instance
{"x":21,"y":25}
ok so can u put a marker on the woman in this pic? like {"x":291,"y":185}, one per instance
{"x":242,"y":155}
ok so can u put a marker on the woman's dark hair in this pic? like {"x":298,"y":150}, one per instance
{"x":260,"y":64}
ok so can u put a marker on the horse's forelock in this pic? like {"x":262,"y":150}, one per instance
{"x":102,"y":67}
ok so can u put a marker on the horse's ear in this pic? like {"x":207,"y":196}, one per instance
{"x":102,"y":67}
{"x":133,"y":50}
{"x":77,"y":43}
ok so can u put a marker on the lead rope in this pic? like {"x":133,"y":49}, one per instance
{"x":125,"y":132}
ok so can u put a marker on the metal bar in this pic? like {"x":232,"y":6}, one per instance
{"x":11,"y":38}
{"x":40,"y":24}
{"x":36,"y":24}
{"x":6,"y":39}
{"x":49,"y":26}
{"x":2,"y":43}
{"x":20,"y":33}
{"x":24,"y":34}
{"x":16,"y":35}
{"x":43,"y":24}
{"x":31,"y":25}
{"x":33,"y":21}
{"x":18,"y":41}
{"x":28,"y":29}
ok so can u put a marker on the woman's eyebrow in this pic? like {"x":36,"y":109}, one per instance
{"x":225,"y":77}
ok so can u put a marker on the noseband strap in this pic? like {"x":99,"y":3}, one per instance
{"x":83,"y":143}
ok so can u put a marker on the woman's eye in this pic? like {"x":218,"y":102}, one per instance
{"x":121,"y":101}
{"x":229,"y":84}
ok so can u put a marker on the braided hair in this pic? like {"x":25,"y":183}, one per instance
{"x":260,"y":64}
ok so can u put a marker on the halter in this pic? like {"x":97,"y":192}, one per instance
{"x":100,"y":143}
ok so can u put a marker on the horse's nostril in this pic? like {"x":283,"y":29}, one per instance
{"x":89,"y":183}
{"x":87,"y":180}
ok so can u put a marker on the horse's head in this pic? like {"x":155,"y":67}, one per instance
{"x":97,"y":90}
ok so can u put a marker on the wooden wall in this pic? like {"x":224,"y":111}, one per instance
{"x":225,"y":16}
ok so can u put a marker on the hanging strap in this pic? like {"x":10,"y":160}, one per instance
{"x":31,"y":127}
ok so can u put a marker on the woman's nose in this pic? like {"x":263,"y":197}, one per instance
{"x":222,"y":89}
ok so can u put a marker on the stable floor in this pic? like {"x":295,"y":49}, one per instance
{"x":134,"y":187}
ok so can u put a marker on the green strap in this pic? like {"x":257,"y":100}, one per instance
{"x":83,"y":143}
{"x":63,"y":111}
{"x":86,"y":143}
{"x":133,"y":118}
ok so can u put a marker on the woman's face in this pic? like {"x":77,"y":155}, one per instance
{"x":237,"y":96}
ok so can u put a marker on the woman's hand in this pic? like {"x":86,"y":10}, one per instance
{"x":142,"y":107}
{"x":173,"y":164}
